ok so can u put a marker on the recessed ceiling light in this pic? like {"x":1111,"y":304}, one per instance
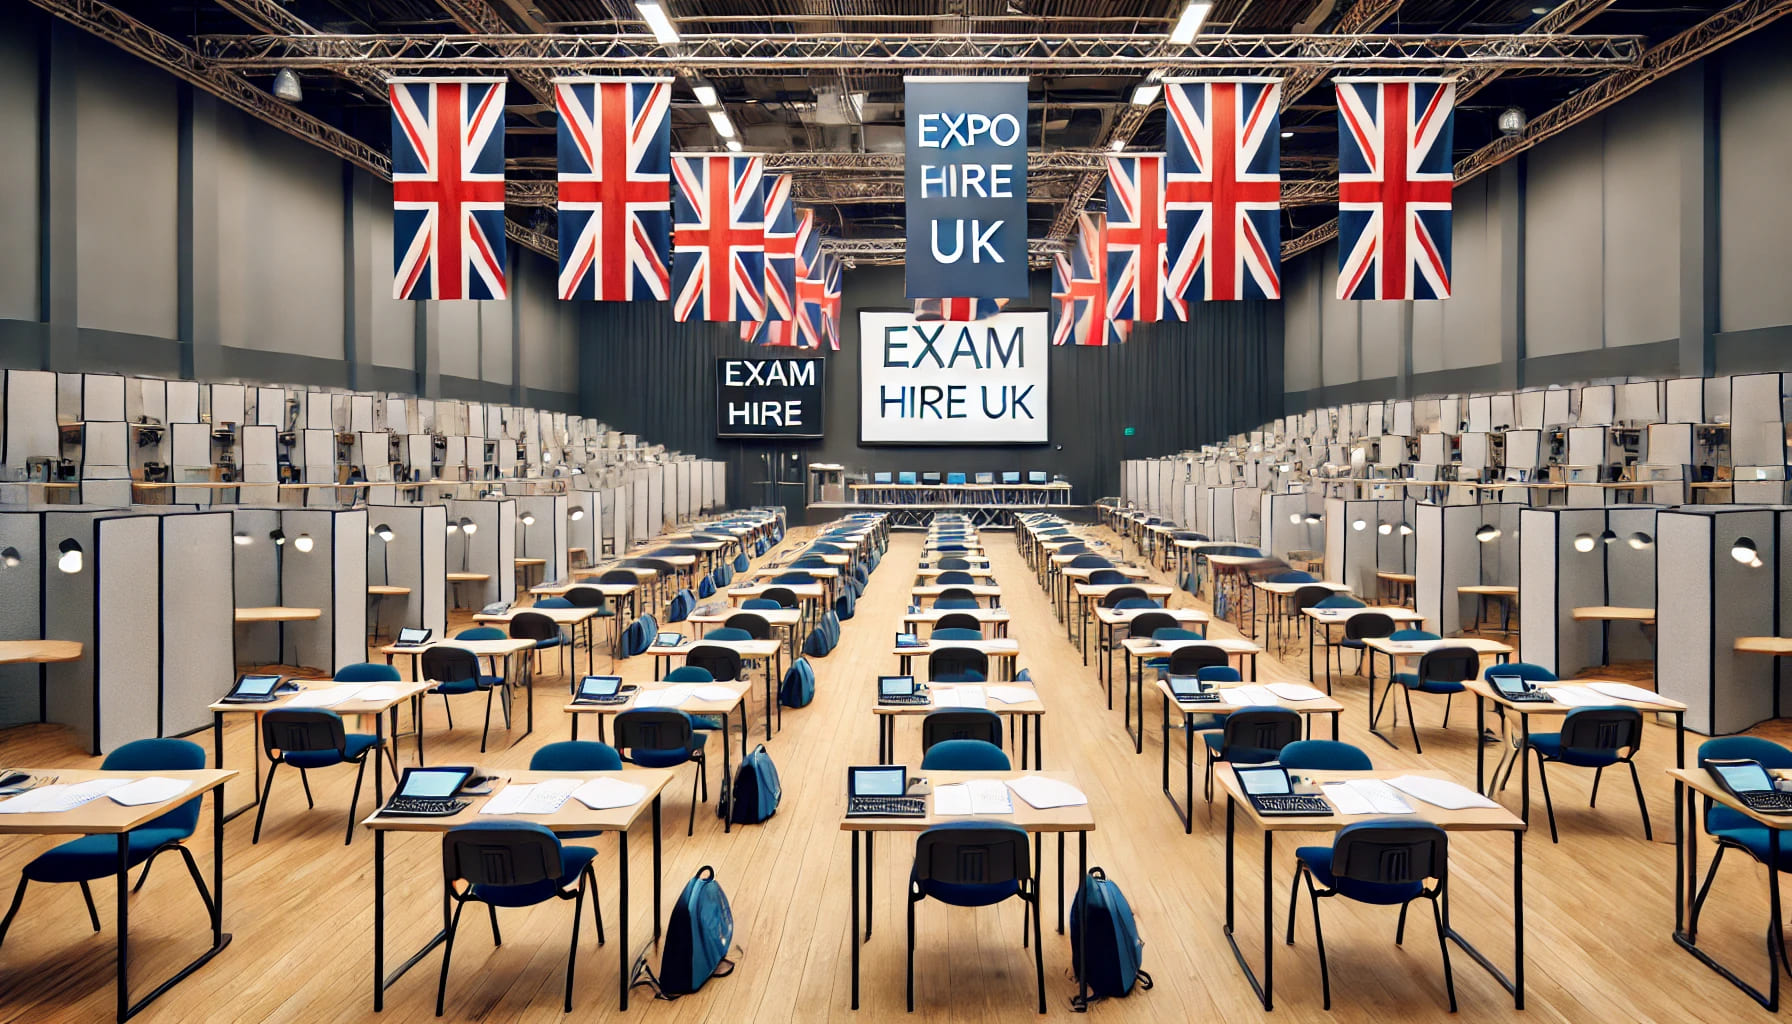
{"x":733,"y":146}
{"x":705,"y":93}
{"x":1287,"y":135}
{"x":1189,"y":24}
{"x":657,"y":21}
{"x":1145,"y":95}
{"x":1117,"y":145}
{"x":724,"y":127}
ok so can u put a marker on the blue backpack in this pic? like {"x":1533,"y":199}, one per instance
{"x":843,"y":605}
{"x":817,"y":645}
{"x":797,"y":689}
{"x":742,"y":563}
{"x":1105,"y":947}
{"x":681,"y":606}
{"x":698,"y":938}
{"x":639,"y":636}
{"x":756,"y":790}
{"x":760,"y":547}
{"x":707,"y":588}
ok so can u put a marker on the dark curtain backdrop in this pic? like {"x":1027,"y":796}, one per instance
{"x":1178,"y":385}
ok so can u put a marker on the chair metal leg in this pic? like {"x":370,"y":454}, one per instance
{"x":1400,"y":926}
{"x":1593,"y":801}
{"x":1207,"y":783}
{"x":1443,"y":945}
{"x":1387,"y":692}
{"x":18,"y":897}
{"x":1698,"y":901}
{"x":486,"y":731}
{"x":355,"y":800}
{"x":144,"y":877}
{"x":447,"y":953}
{"x":1325,"y":974}
{"x":1548,"y":807}
{"x":262,"y":808}
{"x":1448,"y":698}
{"x":1412,"y":722}
{"x":690,"y":828}
{"x":447,"y":709}
{"x":911,"y":952}
{"x":198,"y":879}
{"x":305,"y":780}
{"x":492,"y":911}
{"x":1293,"y":902}
{"x":1643,"y":806}
{"x":572,"y":951}
{"x":597,"y":910}
{"x":1038,"y":947}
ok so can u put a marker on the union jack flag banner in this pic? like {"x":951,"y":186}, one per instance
{"x":1140,"y":287}
{"x":1224,"y":191}
{"x":1394,"y":182}
{"x":1083,"y":317}
{"x":718,"y":237}
{"x":958,"y":309}
{"x":1063,"y":303}
{"x":833,"y":273}
{"x":808,"y":244}
{"x":615,"y":188}
{"x":780,"y":249}
{"x":811,"y":287}
{"x":772,"y":333}
{"x":448,"y":188}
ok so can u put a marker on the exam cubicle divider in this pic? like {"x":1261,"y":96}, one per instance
{"x":1448,"y":553}
{"x":1555,"y":577}
{"x":639,"y":491}
{"x":1353,"y":556}
{"x":416,"y":557}
{"x":1709,"y":598}
{"x":655,"y":523}
{"x":492,"y":550}
{"x":1284,"y":522}
{"x":21,"y":612}
{"x":619,"y":504}
{"x":30,"y":407}
{"x":331,"y":577}
{"x":547,"y":539}
{"x":584,"y":522}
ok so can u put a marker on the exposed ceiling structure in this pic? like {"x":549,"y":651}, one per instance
{"x":817,"y":85}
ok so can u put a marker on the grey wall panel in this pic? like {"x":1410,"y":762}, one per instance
{"x":1383,"y":327}
{"x":198,"y":617}
{"x":394,"y":341}
{"x":1755,"y":220}
{"x":70,"y":605}
{"x":1643,"y":142}
{"x":20,"y":617}
{"x":126,"y":173}
{"x":1563,"y":292}
{"x":545,"y":355}
{"x":1471,"y":316}
{"x":127,"y":635}
{"x":1684,"y":562}
{"x":18,"y":176}
{"x":1338,"y":324}
{"x":494,"y":341}
{"x":457,"y":334}
{"x":1300,"y":310}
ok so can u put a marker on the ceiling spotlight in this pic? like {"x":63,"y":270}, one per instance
{"x":1584,"y":542}
{"x":303,"y":542}
{"x":286,"y":86}
{"x":657,"y":21}
{"x":1359,"y":525}
{"x":9,"y":557}
{"x":1287,"y":135}
{"x":278,"y":537}
{"x":1117,"y":145}
{"x":1385,"y":529}
{"x":1639,"y":541}
{"x":528,"y":519}
{"x":242,"y":538}
{"x":1405,"y":529}
{"x":1488,"y":532}
{"x":1189,"y":24}
{"x":1607,"y":536}
{"x":1145,"y":95}
{"x":577,"y":513}
{"x":69,"y":560}
{"x":1511,"y":121}
{"x":1744,"y":551}
{"x":383,"y":532}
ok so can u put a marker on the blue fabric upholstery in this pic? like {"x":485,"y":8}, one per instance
{"x":1523,"y":670}
{"x":1319,"y":860}
{"x":576,"y":756}
{"x":1724,"y":822}
{"x":356,"y":744}
{"x":949,"y":603}
{"x":367,"y":672}
{"x":1138,"y":602}
{"x":966,"y":895}
{"x":1294,"y":576}
{"x":1411,"y":681}
{"x":573,"y":859}
{"x":481,"y":633}
{"x":1341,"y":601}
{"x":965,"y":756}
{"x":1412,"y":634}
{"x":553,"y":602}
{"x":456,"y":687}
{"x":689,"y":674}
{"x":1549,"y":744}
{"x":93,"y":857}
{"x":957,"y":633}
{"x":759,"y":604}
{"x":1325,"y":755}
{"x":670,"y":758}
{"x":727,"y":633}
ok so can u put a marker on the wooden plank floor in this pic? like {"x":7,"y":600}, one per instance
{"x":1599,"y":906}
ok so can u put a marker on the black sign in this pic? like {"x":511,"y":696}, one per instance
{"x":769,"y":397}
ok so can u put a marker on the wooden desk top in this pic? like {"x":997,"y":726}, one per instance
{"x":980,"y":613}
{"x":386,"y":590}
{"x":278,"y":614}
{"x":1468,"y":819}
{"x":562,"y":616}
{"x":1701,"y":781}
{"x":978,"y":571}
{"x":105,"y":816}
{"x":1115,"y":616}
{"x":1082,"y":573}
{"x":641,"y":572}
{"x":745,"y":648}
{"x":976,"y":589}
{"x":1489,"y":590}
{"x":1482,"y":688}
{"x":606,"y":589}
{"x":1025,"y":707}
{"x":691,"y":706}
{"x":1775,"y":645}
{"x":1321,"y":705}
{"x":1237,"y":561}
{"x":468,"y":577}
{"x":1398,"y":614}
{"x":995,"y":647}
{"x":773,"y":616}
{"x":1101,"y":589}
{"x":482,"y":648}
{"x":1269,"y":587}
{"x":572,"y":816}
{"x":530,"y":561}
{"x":1613,"y":613}
{"x":1149,"y":647}
{"x":1080,"y":818}
{"x":807,"y":591}
{"x":1417,"y":648}
{"x":1397,"y":577}
{"x":401,"y":692}
{"x":43,"y":652}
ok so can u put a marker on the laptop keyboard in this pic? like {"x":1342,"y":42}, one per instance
{"x":1292,"y":803}
{"x":1774,"y":802}
{"x":886,"y":807}
{"x":427,"y":806}
{"x":912,"y":699}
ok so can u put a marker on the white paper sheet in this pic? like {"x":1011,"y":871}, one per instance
{"x":959,"y":697}
{"x":669,"y":697}
{"x":1441,"y":792}
{"x":1366,"y":796}
{"x":53,"y":799}
{"x":1294,"y":691}
{"x":377,"y":693}
{"x":1578,"y":696}
{"x":322,"y":697}
{"x":1044,"y":793}
{"x":713,"y":693}
{"x":1248,"y":695}
{"x":604,"y":793}
{"x":531,"y":798}
{"x":151,"y":790}
{"x":1625,"y":691}
{"x":1011,"y":694}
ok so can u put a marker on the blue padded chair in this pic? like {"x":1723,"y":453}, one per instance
{"x":1293,"y":576}
{"x":793,"y":577}
{"x":555,"y":602}
{"x":810,"y":562}
{"x":758,"y":604}
{"x":955,"y":576}
{"x":455,"y":671}
{"x":957,"y":665}
{"x":312,"y":739}
{"x":1595,"y":738}
{"x":1733,"y":830}
{"x":368,"y":672}
{"x":1325,"y":756}
{"x":513,"y":864}
{"x":1117,"y":597}
{"x":955,"y":563}
{"x":965,"y":756}
{"x":578,"y":756}
{"x":960,"y":724}
{"x":1340,"y":600}
{"x":92,"y":857}
{"x":664,"y":738}
{"x":784,"y":597}
{"x":484,"y":633}
{"x":1442,"y":670}
{"x":1090,"y":562}
{"x":585,"y":597}
{"x":1075,"y":547}
{"x":1529,"y":673}
{"x":1384,"y":863}
{"x":955,"y":603}
{"x":752,"y":624}
{"x":1250,"y":736}
{"x":1358,"y":628}
{"x":1108,"y":578}
{"x":619,"y":577}
{"x":950,"y":547}
{"x":974,"y":864}
{"x":728,"y":633}
{"x":544,"y":631}
{"x":1136,"y":602}
{"x":956,"y":633}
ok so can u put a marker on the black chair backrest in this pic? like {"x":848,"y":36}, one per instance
{"x":500,"y":856}
{"x":955,"y":576}
{"x":659,"y":565}
{"x":652,"y":729}
{"x":1391,"y":853}
{"x":1119,"y":594}
{"x":613,"y":576}
{"x":302,"y":730}
{"x":958,"y":855}
{"x":955,"y":662}
{"x":960,"y":724}
{"x":1307,"y":597}
{"x":449,"y":664}
{"x":1262,"y":732}
{"x":533,"y":626}
{"x":959,"y":593}
{"x":722,"y":662}
{"x":785,"y":597}
{"x":1186,"y":661}
{"x":586,"y":597}
{"x":955,"y":563}
{"x":1450,"y":665}
{"x":752,"y":622}
{"x":959,"y":620}
{"x":1147,"y":623}
{"x":1602,"y":730}
{"x":1368,"y":625}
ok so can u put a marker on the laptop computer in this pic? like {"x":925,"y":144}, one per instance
{"x":600,"y":690}
{"x":986,"y":478}
{"x":1009,"y":477}
{"x":899,"y":690}
{"x":879,"y":791}
{"x":429,"y":792}
{"x":909,"y":640}
{"x":1751,"y":783}
{"x":930,"y":478}
{"x":668,"y":640}
{"x":880,"y":478}
{"x":1035,"y":477}
{"x":955,"y":478}
{"x":412,"y":636}
{"x":252,"y":688}
{"x":1519,"y":689}
{"x":905,"y":478}
{"x":1271,"y":791}
{"x":1189,"y":690}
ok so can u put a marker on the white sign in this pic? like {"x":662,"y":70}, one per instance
{"x":953,"y":382}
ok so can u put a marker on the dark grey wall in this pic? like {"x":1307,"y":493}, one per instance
{"x":1651,"y":240}
{"x":1177,"y":384}
{"x":147,"y":227}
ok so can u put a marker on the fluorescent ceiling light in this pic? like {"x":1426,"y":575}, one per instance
{"x":724,"y":127}
{"x":1145,"y":95}
{"x":1117,"y":145}
{"x":657,"y":21}
{"x":705,"y":93}
{"x":1189,"y":24}
{"x":1287,"y":135}
{"x":733,"y":146}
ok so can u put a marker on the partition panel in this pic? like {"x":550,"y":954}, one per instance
{"x":70,"y":608}
{"x":21,"y":613}
{"x":128,"y":629}
{"x":198,"y":615}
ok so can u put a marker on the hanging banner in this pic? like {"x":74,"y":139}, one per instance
{"x":965,"y":187}
{"x":953,"y":382}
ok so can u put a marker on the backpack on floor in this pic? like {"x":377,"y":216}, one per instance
{"x":707,"y":588}
{"x":831,"y":622}
{"x":756,"y":790}
{"x":817,"y":645}
{"x":760,"y":547}
{"x":698,"y":939}
{"x":843,"y":605}
{"x":797,"y":688}
{"x":681,"y":606}
{"x":639,"y":636}
{"x":1105,"y":947}
{"x":742,"y":563}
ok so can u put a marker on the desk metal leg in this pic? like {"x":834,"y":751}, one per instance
{"x":854,"y":943}
{"x":1686,"y":918}
{"x":381,"y":980}
{"x":1264,"y":988}
{"x":627,"y":959}
{"x":1514,"y":984}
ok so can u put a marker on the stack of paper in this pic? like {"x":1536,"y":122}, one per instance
{"x":534,"y":798}
{"x":1578,"y":697}
{"x":151,"y":790}
{"x":1442,"y":792}
{"x":1011,"y":694}
{"x":1294,"y":691}
{"x":606,"y":792}
{"x":1248,"y":695}
{"x":713,"y":693}
{"x":959,"y":697}
{"x":665,"y":697}
{"x":1366,"y":796}
{"x":1625,"y":691}
{"x":53,"y":799}
{"x":978,"y":796}
{"x":377,"y":693}
{"x":321,"y":698}
{"x":1045,"y":793}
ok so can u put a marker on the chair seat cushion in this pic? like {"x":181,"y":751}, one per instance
{"x":1216,"y":743}
{"x":709,"y":721}
{"x":1549,"y":744}
{"x":91,"y":857}
{"x":1319,"y":860}
{"x":357,"y":743}
{"x":459,"y":686}
{"x":1411,"y":681}
{"x":670,"y":758}
{"x":552,"y":641}
{"x":573,"y":859}
{"x":1754,"y":839}
{"x":1355,"y":645}
{"x":969,"y":895}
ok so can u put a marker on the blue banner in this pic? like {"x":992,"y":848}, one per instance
{"x":965,"y":183}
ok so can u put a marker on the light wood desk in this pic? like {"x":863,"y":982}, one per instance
{"x":1091,"y":594}
{"x":1505,"y":594}
{"x":1108,"y":620}
{"x":491,"y":649}
{"x":278,"y":614}
{"x":1415,"y":649}
{"x":1029,"y":713}
{"x":1609,"y":613}
{"x":1472,"y":819}
{"x":737,"y":706}
{"x":1775,"y":646}
{"x":103,"y":817}
{"x":1318,"y":705}
{"x":1060,"y":820}
{"x":572,"y":816}
{"x":1003,"y":649}
{"x":1329,"y":617}
{"x":1140,"y":649}
{"x":572,"y":618}
{"x":996,"y":619}
{"x":931,"y":592}
{"x":386,"y":590}
{"x":42,"y":652}
{"x":1403,"y":584}
{"x":1280,"y":594}
{"x":783,"y":620}
{"x":772,"y":650}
